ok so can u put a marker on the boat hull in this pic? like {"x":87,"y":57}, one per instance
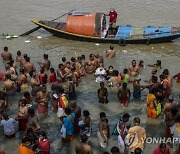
{"x":120,"y":41}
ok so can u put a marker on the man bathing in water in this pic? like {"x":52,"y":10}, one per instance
{"x":28,"y":66}
{"x":103,"y":132}
{"x":134,"y":69}
{"x":46,"y":64}
{"x":124,"y":95}
{"x":111,"y":52}
{"x":6,"y":56}
{"x":90,"y":65}
{"x":83,"y":148}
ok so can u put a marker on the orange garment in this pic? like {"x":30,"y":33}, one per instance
{"x":24,"y":150}
{"x":151,"y":108}
{"x":117,"y":79}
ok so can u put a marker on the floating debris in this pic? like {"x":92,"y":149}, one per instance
{"x":39,"y":37}
{"x":97,"y":44}
{"x":27,"y":41}
{"x":124,"y":50}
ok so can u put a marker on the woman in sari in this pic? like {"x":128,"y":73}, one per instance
{"x":22,"y":115}
{"x":23,"y":80}
{"x":152,"y":104}
{"x":44,"y":145}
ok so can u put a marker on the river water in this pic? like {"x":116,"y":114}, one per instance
{"x":16,"y":18}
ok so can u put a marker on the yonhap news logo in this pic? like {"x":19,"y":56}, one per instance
{"x":159,"y":140}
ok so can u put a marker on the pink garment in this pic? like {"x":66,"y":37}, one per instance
{"x":44,"y":146}
{"x":158,"y":151}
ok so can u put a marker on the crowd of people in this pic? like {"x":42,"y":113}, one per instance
{"x":21,"y":76}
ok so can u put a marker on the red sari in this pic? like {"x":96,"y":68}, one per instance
{"x":44,"y":146}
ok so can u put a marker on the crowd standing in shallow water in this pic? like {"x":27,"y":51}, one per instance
{"x":21,"y":73}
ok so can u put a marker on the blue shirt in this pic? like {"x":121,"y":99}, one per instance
{"x":68,"y":124}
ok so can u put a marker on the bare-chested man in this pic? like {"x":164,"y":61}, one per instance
{"x":33,"y":121}
{"x":83,"y":148}
{"x":46,"y":64}
{"x":18,"y":57}
{"x":103,"y":132}
{"x":35,"y":84}
{"x":134,"y":69}
{"x":111,"y":52}
{"x":9,"y":86}
{"x":90,"y":65}
{"x":28,"y":66}
{"x":61,"y":74}
{"x":42,"y":99}
{"x":124,"y":94}
{"x":99,"y":59}
{"x":6,"y":56}
{"x":23,"y":60}
{"x":67,"y":70}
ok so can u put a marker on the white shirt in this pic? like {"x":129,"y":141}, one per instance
{"x":8,"y":126}
{"x":100,"y":74}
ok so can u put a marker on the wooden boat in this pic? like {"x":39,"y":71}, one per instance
{"x":92,"y":27}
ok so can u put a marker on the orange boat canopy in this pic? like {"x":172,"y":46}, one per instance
{"x":84,"y":23}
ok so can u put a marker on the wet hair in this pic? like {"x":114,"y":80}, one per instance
{"x":23,"y":101}
{"x":105,"y":152}
{"x":68,"y":63}
{"x":43,"y":134}
{"x":83,"y":57}
{"x":138,"y":151}
{"x":60,"y":65}
{"x":101,"y":83}
{"x":110,"y":66}
{"x":19,"y":53}
{"x":162,"y":76}
{"x":27,"y":94}
{"x":42,"y":70}
{"x":124,"y":85}
{"x":133,"y":61}
{"x":73,"y":59}
{"x":162,"y":145}
{"x":154,"y":79}
{"x":63,"y":59}
{"x":79,"y":58}
{"x":137,"y":120}
{"x":5,"y":48}
{"x":25,"y":56}
{"x":126,"y":115}
{"x":22,"y":70}
{"x":116,"y":72}
{"x":28,"y":59}
{"x":158,"y":62}
{"x":170,"y":99}
{"x":52,"y":70}
{"x":68,"y":111}
{"x":31,"y":111}
{"x":166,"y":72}
{"x":29,"y":130}
{"x":111,"y":47}
{"x":114,"y":150}
{"x":25,"y":140}
{"x":125,"y":71}
{"x":91,"y":55}
{"x":141,"y":62}
{"x":84,"y":138}
{"x":8,"y":76}
{"x":45,"y":56}
{"x":102,"y":115}
{"x":5,"y":116}
{"x":31,"y":73}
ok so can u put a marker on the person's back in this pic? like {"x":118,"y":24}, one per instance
{"x":6,"y":56}
{"x":83,"y":148}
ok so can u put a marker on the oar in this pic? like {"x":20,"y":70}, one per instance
{"x":34,"y":29}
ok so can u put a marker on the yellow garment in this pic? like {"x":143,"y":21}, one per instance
{"x":178,"y":127}
{"x":151,"y":109}
{"x":24,"y":86}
